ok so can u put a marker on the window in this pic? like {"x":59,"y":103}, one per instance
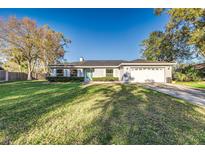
{"x":109,"y":72}
{"x":73,"y":72}
{"x":65,"y":72}
{"x":59,"y":72}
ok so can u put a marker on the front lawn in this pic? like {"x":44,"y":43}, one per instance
{"x":34,"y":112}
{"x":193,"y":84}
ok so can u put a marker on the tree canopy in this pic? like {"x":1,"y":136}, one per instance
{"x":190,"y":22}
{"x":30,"y":46}
{"x":183,"y":37}
{"x":163,"y":47}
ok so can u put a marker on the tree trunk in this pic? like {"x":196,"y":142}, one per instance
{"x":29,"y":77}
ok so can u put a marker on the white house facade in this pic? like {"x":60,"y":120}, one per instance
{"x":126,"y":71}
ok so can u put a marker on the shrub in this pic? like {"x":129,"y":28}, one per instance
{"x":188,"y":73}
{"x":105,"y":79}
{"x":192,"y":73}
{"x":180,"y":77}
{"x":65,"y":79}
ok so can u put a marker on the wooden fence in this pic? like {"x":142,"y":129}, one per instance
{"x":12,"y":76}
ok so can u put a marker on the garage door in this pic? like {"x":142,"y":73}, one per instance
{"x":147,"y":74}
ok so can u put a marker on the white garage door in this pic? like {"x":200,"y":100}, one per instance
{"x":147,"y":74}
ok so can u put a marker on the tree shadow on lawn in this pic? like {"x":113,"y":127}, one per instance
{"x":22,"y":114}
{"x":134,"y":115}
{"x":129,"y":115}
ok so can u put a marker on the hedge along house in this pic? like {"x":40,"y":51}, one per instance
{"x":126,"y":71}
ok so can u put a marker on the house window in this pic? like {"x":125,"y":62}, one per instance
{"x":109,"y":72}
{"x":66,"y":72}
{"x":59,"y":72}
{"x":73,"y":72}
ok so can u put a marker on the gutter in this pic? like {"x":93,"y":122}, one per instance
{"x":147,"y":64}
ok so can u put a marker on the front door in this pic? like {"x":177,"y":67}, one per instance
{"x":88,"y":74}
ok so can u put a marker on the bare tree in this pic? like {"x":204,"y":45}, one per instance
{"x":26,"y":44}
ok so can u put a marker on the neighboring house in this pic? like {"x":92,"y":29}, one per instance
{"x":127,"y":71}
{"x":1,"y":68}
{"x":2,"y":74}
{"x":200,"y":67}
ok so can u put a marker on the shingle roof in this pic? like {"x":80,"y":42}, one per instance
{"x":99,"y":63}
{"x":200,"y":66}
{"x":106,"y":62}
{"x":145,"y":61}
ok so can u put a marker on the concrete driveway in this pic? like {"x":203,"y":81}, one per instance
{"x":192,"y":95}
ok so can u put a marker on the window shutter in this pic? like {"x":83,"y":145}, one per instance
{"x":66,"y":72}
{"x":54,"y":72}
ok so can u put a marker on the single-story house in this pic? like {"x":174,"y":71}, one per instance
{"x":131,"y":71}
{"x":200,"y":67}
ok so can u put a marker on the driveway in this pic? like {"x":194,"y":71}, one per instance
{"x":192,"y":95}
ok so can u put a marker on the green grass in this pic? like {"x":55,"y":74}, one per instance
{"x":34,"y":112}
{"x":200,"y":84}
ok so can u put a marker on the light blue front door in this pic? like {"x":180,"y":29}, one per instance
{"x":88,"y":74}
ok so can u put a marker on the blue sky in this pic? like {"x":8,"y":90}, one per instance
{"x":97,"y":33}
